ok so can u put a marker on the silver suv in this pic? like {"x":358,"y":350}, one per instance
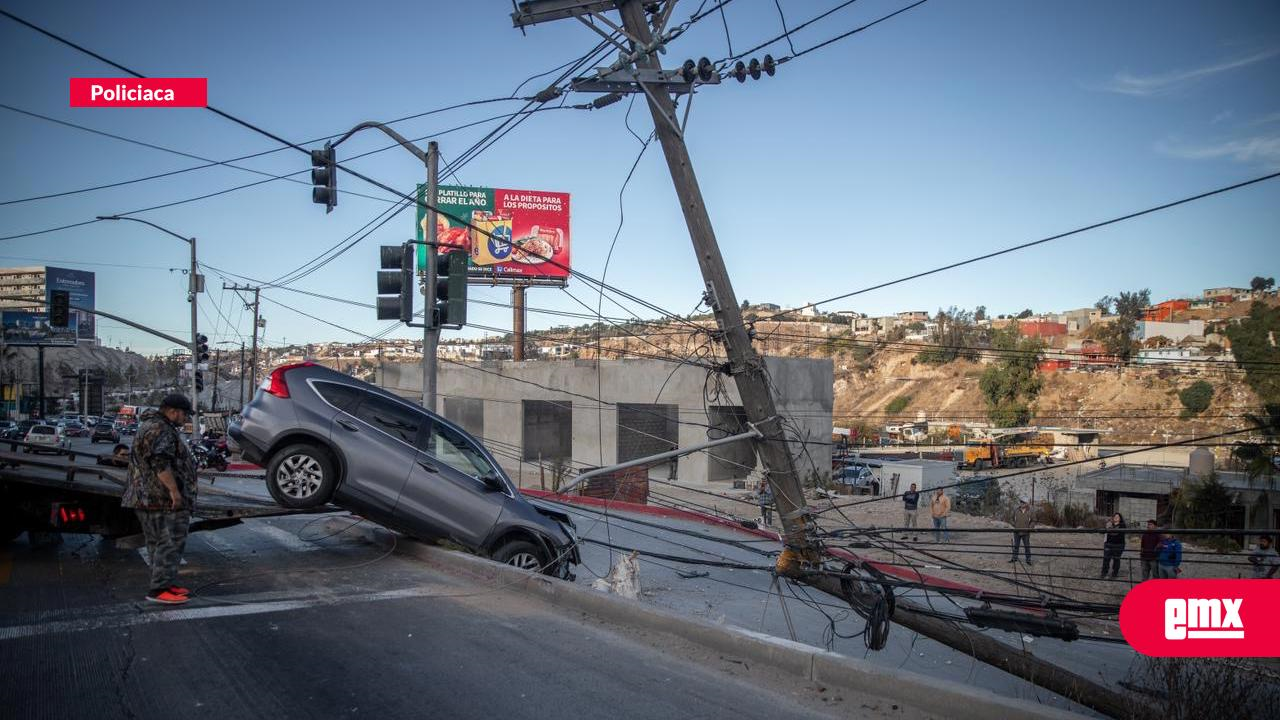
{"x":327,"y":437}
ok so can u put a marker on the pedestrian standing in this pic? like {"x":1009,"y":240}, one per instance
{"x":1021,"y":521}
{"x":161,"y":489}
{"x":764,"y":498}
{"x":1168,"y":557}
{"x":1150,"y":541}
{"x":940,"y":509}
{"x":910,"y":508}
{"x":1265,"y":560}
{"x":1113,"y":546}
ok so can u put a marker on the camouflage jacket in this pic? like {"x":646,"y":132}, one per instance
{"x":158,"y":447}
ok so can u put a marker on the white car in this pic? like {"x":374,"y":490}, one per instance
{"x":43,"y":436}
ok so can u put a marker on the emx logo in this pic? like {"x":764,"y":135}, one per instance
{"x":1203,"y":618}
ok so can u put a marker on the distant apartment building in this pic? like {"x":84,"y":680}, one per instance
{"x":1077,"y":321}
{"x":1219,"y":293}
{"x":913,"y":316}
{"x":22,"y":282}
{"x":1173,"y":331}
{"x":35,"y":282}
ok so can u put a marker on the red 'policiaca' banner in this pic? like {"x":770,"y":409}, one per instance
{"x":139,"y":92}
{"x":512,"y":237}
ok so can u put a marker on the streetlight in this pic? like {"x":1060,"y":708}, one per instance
{"x":195,"y":286}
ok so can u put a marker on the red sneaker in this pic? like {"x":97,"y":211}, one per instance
{"x":166,"y":597}
{"x":178,"y":590}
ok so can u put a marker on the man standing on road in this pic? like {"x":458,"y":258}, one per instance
{"x":1150,"y":543}
{"x":910,"y":508}
{"x":162,"y":491}
{"x":1022,"y":521}
{"x":940,"y":509}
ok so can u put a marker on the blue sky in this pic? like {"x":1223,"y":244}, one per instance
{"x":951,"y":130}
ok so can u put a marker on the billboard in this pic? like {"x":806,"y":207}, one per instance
{"x":79,"y":284}
{"x":23,"y":327}
{"x":529,"y":229}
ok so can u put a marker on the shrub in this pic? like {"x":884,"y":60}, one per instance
{"x":898,"y":404}
{"x":1076,"y":515}
{"x":1195,"y":398}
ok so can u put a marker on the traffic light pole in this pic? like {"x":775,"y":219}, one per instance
{"x":194,"y":285}
{"x":431,"y":328}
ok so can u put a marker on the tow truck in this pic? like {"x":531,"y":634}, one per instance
{"x":70,"y":493}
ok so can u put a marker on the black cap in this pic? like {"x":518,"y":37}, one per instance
{"x":177,"y":401}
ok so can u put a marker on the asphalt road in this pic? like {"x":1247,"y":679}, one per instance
{"x":292,"y":620}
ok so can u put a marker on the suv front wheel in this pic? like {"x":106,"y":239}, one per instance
{"x":522,"y":554}
{"x":301,"y":476}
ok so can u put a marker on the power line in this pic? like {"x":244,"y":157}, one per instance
{"x":1033,"y":243}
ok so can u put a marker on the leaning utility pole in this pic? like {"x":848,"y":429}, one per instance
{"x":745,"y":364}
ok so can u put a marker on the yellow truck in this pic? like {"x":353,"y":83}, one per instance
{"x":1009,"y":451}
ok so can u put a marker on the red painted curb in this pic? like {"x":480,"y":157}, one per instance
{"x":243,"y":466}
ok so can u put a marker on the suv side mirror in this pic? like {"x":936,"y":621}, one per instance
{"x":493,"y":482}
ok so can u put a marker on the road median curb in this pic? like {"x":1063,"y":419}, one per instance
{"x":941,"y":697}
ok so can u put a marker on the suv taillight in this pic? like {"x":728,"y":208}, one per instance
{"x":275,"y":384}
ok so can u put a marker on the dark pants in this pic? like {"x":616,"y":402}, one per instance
{"x":1111,"y":558}
{"x":766,"y":514}
{"x":166,"y":533}
{"x":1149,"y":569}
{"x":1025,"y":540}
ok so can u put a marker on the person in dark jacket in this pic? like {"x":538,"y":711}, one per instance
{"x":1022,"y":521}
{"x":1150,"y":541}
{"x":161,"y":489}
{"x":1113,"y":546}
{"x":764,"y":498}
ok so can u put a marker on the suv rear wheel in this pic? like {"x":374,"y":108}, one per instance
{"x":301,"y":476}
{"x":522,"y":554}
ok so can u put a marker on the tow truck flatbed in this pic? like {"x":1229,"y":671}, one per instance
{"x":53,"y":494}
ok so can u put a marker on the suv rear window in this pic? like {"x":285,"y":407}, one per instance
{"x":42,"y":430}
{"x":343,"y":397}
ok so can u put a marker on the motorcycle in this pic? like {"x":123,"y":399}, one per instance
{"x":211,"y":453}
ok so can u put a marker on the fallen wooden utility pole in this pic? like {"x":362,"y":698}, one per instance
{"x":637,"y":70}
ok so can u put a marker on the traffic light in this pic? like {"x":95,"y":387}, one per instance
{"x":395,"y":280}
{"x":59,"y":308}
{"x":451,"y":290}
{"x":202,"y":355}
{"x":324,"y":177}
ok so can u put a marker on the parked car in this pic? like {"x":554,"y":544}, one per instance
{"x":104,"y":432}
{"x":7,"y":426}
{"x":19,"y":432}
{"x":129,"y":429}
{"x":326,"y":437}
{"x":41,"y":437}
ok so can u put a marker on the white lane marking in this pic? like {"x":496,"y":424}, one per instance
{"x":286,"y":538}
{"x":115,"y":619}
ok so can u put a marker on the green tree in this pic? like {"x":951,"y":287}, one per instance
{"x":1195,"y":398}
{"x":1025,"y":314}
{"x":980,"y":313}
{"x":1262,"y":283}
{"x":1117,"y":336}
{"x":956,"y":334}
{"x":1010,"y":386}
{"x":1104,"y":304}
{"x":1252,"y":344}
{"x":745,"y":304}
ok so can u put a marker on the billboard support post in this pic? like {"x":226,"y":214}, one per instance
{"x":517,"y":324}
{"x":40,"y":380}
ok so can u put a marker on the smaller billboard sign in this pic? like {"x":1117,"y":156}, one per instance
{"x":22,"y":327}
{"x":512,"y":237}
{"x":79,"y":285}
